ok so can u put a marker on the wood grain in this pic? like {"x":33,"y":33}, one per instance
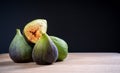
{"x":74,"y":63}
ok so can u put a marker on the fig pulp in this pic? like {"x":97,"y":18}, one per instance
{"x":45,"y":51}
{"x":19,"y":50}
{"x":34,"y":29}
{"x":62,"y":47}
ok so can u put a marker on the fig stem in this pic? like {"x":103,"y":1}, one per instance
{"x":18,"y":31}
{"x":45,"y":34}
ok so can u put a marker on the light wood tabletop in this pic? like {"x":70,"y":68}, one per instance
{"x":74,"y":63}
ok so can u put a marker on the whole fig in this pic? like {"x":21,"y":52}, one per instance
{"x":19,"y":50}
{"x":62,"y":47}
{"x":34,"y":29}
{"x":45,"y":51}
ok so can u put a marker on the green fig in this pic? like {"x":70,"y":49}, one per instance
{"x":19,"y":50}
{"x":45,"y":51}
{"x":34,"y":29}
{"x":62,"y":47}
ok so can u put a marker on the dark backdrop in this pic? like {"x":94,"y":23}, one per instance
{"x":89,"y":26}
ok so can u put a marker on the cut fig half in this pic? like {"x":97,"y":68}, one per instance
{"x":34,"y":30}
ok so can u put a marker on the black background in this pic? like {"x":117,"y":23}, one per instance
{"x":87,"y":26}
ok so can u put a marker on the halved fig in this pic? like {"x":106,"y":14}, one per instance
{"x":34,"y":30}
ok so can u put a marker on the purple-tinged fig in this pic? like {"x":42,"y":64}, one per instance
{"x":19,"y":50}
{"x":45,"y":51}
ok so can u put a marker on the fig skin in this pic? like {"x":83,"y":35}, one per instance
{"x":34,"y":30}
{"x":19,"y":50}
{"x":45,"y":51}
{"x":61,"y":46}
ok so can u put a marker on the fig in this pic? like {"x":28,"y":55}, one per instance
{"x":19,"y":50}
{"x":34,"y":29}
{"x":62,"y":47}
{"x":45,"y":51}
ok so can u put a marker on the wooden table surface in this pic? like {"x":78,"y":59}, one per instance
{"x":74,"y":63}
